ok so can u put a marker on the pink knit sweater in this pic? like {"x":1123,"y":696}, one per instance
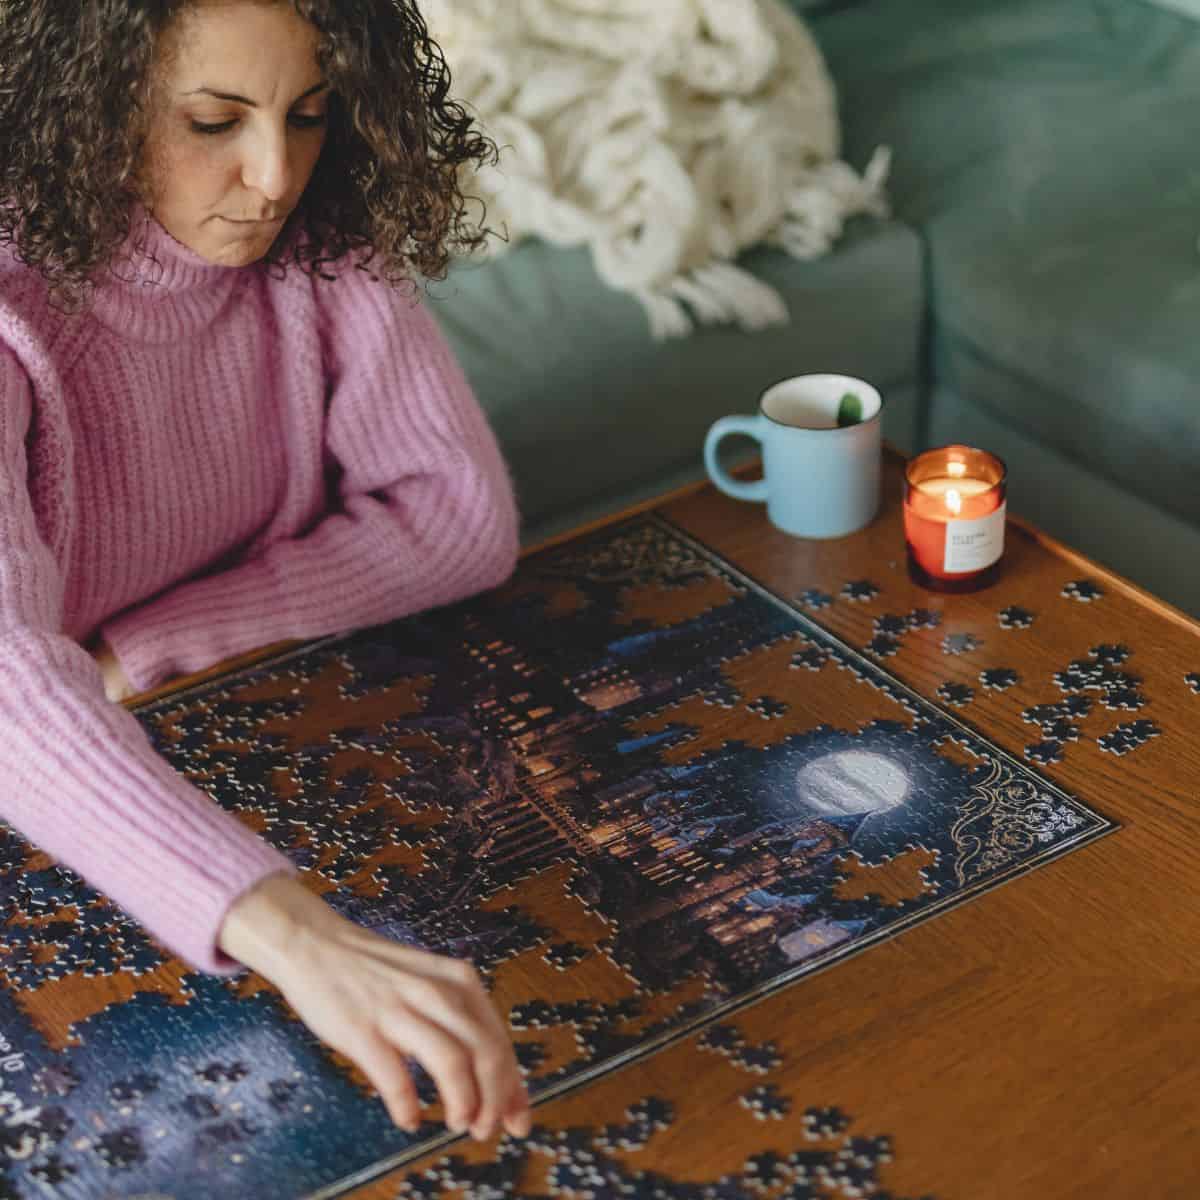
{"x":207,"y":461}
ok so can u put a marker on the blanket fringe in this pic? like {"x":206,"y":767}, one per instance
{"x":666,"y":135}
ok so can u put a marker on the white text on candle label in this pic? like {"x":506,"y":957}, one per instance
{"x":973,"y":545}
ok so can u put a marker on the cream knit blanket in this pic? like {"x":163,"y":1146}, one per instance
{"x":666,"y":135}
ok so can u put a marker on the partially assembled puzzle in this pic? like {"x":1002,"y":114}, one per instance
{"x":633,"y":786}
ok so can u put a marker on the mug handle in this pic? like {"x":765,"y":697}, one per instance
{"x":750,"y":427}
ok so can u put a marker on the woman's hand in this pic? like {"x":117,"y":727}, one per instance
{"x":116,"y":686}
{"x":378,"y":1002}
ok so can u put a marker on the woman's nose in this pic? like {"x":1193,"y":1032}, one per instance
{"x":266,"y":169}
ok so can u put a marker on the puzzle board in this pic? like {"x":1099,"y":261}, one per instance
{"x":729,"y":795}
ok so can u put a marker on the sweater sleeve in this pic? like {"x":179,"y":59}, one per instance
{"x":422,"y":512}
{"x":79,"y":776}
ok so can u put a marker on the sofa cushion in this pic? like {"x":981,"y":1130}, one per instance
{"x":587,"y":405}
{"x":1049,"y":150}
{"x":1190,"y":8}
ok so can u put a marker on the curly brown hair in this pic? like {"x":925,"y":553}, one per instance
{"x":75,"y":88}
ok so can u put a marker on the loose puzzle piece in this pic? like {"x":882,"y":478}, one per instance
{"x":815,"y":599}
{"x":924,"y":618}
{"x":955,"y":693}
{"x":960,"y":643}
{"x":1015,"y":617}
{"x":862,"y":591}
{"x":728,"y":1040}
{"x":1084,"y":590}
{"x":766,"y":1103}
{"x":999,"y":679}
{"x":883,"y":646}
{"x":891,"y":625}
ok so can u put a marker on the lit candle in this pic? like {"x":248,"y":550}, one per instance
{"x":954,"y":506}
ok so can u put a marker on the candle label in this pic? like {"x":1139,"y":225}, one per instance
{"x":973,"y":545}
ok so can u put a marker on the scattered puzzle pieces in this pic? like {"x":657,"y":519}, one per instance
{"x":1083,"y":590}
{"x":1016,"y":617}
{"x":766,"y":1102}
{"x":960,"y":643}
{"x":758,"y":1060}
{"x":861,"y":591}
{"x":589,"y":1164}
{"x":924,"y":618}
{"x":999,"y":679}
{"x":727,"y":1040}
{"x":815,"y":599}
{"x":1128,"y":737}
{"x":822,"y":1124}
{"x":957,"y":694}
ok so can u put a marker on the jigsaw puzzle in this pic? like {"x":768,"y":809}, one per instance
{"x":732,"y":796}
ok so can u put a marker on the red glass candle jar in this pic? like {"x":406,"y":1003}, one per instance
{"x":954,"y":506}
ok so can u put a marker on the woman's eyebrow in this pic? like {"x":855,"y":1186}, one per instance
{"x":207,"y":91}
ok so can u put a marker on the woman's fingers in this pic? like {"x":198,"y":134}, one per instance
{"x":443,"y":1056}
{"x":389,"y":1074}
{"x":116,"y":686}
{"x":518,"y":1120}
{"x":495,"y":1085}
{"x":465,"y":1011}
{"x":377,"y":1001}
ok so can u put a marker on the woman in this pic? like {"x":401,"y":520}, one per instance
{"x":217,"y":431}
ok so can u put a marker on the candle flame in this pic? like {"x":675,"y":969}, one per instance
{"x":956,"y":469}
{"x":954,"y":500}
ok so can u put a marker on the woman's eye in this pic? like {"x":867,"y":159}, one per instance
{"x":222,"y":127}
{"x":297,"y":120}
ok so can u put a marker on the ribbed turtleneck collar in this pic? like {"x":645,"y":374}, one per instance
{"x":157,"y":290}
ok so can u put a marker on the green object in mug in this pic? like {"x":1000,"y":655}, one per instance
{"x":850,"y":410}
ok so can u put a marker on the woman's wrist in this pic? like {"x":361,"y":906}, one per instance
{"x":264,"y":926}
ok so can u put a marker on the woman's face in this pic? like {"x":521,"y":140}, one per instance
{"x":236,"y":126}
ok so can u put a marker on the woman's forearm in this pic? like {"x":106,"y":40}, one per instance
{"x":265,"y":925}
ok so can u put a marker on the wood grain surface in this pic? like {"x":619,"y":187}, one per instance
{"x":1037,"y":1041}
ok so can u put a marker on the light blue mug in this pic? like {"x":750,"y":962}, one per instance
{"x":820,"y":479}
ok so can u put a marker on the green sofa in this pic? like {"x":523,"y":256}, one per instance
{"x":1037,"y":291}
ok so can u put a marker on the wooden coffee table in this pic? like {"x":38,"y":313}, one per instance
{"x":1038,"y":1041}
{"x":1035,"y":1041}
